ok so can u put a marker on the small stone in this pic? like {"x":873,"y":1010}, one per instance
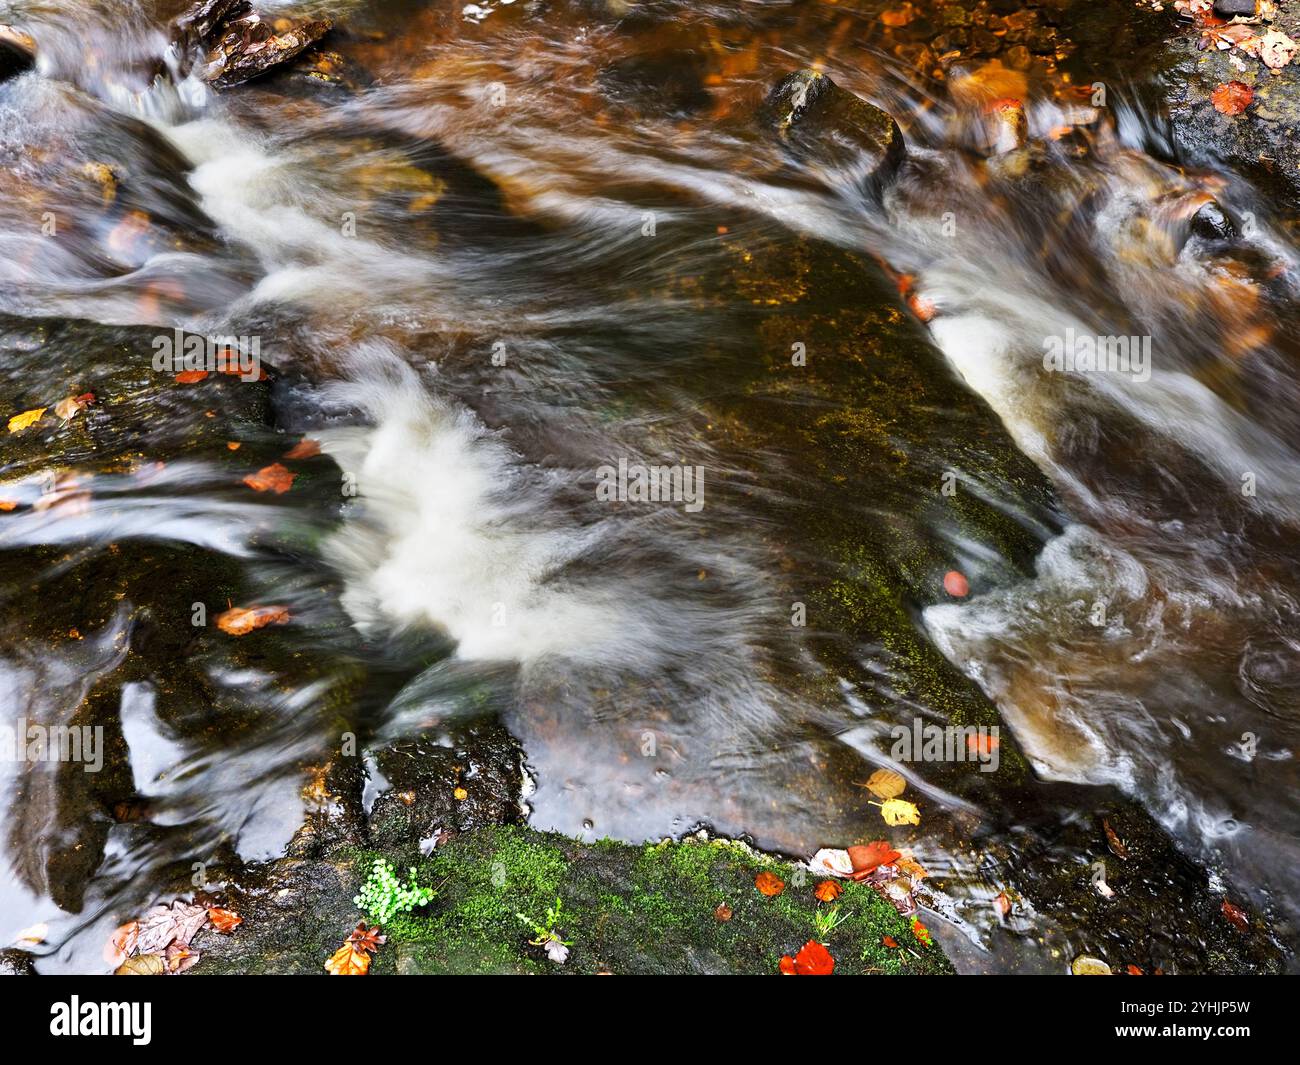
{"x":1212,"y":222}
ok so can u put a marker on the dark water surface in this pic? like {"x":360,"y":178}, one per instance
{"x":500,"y":246}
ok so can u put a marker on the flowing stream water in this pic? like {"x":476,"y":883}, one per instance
{"x":533,"y":240}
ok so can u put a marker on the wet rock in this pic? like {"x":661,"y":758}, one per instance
{"x":239,"y":44}
{"x":669,"y":82}
{"x":1212,"y":222}
{"x":441,"y":785}
{"x":17,"y":963}
{"x":1230,"y":8}
{"x":826,"y":127}
{"x":17,"y":52}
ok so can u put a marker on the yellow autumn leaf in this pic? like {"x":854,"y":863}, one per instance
{"x":899,"y":812}
{"x":886,"y":784}
{"x":28,"y":417}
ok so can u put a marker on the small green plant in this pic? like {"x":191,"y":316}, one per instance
{"x":545,"y":935}
{"x":383,"y":896}
{"x":826,"y":921}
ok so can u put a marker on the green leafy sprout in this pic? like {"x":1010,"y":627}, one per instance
{"x":826,"y":921}
{"x":383,"y":896}
{"x":545,"y":933}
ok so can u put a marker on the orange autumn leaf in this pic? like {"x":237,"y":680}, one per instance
{"x":1002,"y":904}
{"x":8,"y":504}
{"x":1232,"y":97}
{"x":813,"y":960}
{"x":828,"y":891}
{"x":273,"y":478}
{"x":982,"y":744}
{"x":786,"y":965}
{"x":121,"y":944}
{"x":870,"y":856}
{"x":1133,"y":970}
{"x":769,"y":884}
{"x":224,"y":920}
{"x":304,"y":449}
{"x":348,"y":960}
{"x":890,"y":942}
{"x":189,"y":377}
{"x":240,"y":621}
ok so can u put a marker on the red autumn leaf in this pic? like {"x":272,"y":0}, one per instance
{"x":787,"y":966}
{"x":273,"y":478}
{"x":224,"y":920}
{"x":769,"y":884}
{"x":304,"y":449}
{"x":367,"y":939}
{"x":1236,"y":916}
{"x":982,"y":744}
{"x":1232,"y":97}
{"x":890,"y":942}
{"x":920,"y":931}
{"x":240,"y":621}
{"x":813,"y":960}
{"x":866,"y":858}
{"x":828,"y":891}
{"x":189,"y":377}
{"x":1002,"y":904}
{"x":1133,"y":970}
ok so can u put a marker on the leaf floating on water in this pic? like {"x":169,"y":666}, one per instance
{"x":1232,"y":97}
{"x":460,"y":794}
{"x":190,"y":377}
{"x":886,"y":784}
{"x":28,"y":418}
{"x":1236,"y":916}
{"x":142,"y":965}
{"x":273,"y":478}
{"x":769,"y":884}
{"x":240,"y":621}
{"x":1002,"y":904}
{"x":899,"y":812}
{"x":1133,"y":970}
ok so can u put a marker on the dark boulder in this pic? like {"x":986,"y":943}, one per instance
{"x":17,"y":52}
{"x":844,"y":138}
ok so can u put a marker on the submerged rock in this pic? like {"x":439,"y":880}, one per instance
{"x":827,"y":127}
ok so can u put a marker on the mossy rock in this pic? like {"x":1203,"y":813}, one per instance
{"x":647,"y":909}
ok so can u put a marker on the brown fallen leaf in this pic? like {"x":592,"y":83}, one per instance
{"x":1232,"y":97}
{"x":348,"y":960}
{"x":1002,"y":904}
{"x":367,"y":939}
{"x":240,"y":621}
{"x":73,"y":405}
{"x":179,"y":958}
{"x":163,"y":925}
{"x":723,"y":912}
{"x":224,"y":920}
{"x":1114,"y":842}
{"x":273,"y":478}
{"x":142,"y":965}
